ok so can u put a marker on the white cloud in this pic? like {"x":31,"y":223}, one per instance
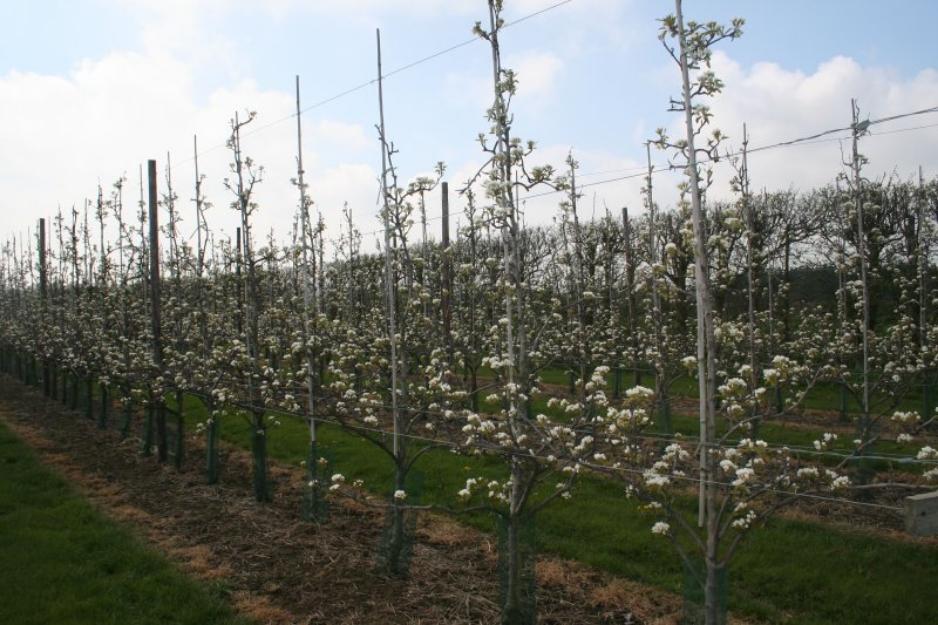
{"x":778,"y":104}
{"x":468,"y":90}
{"x":70,"y":131}
{"x":588,"y":24}
{"x":336,"y":133}
{"x":537,"y":73}
{"x":107,"y":116}
{"x":354,"y":183}
{"x":540,"y":205}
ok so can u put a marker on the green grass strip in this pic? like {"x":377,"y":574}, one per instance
{"x":62,"y":562}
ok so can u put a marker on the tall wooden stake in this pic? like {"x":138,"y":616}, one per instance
{"x":161,"y":443}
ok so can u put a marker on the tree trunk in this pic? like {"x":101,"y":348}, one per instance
{"x":512,"y":610}
{"x":259,"y":454}
{"x":128,"y":415}
{"x":148,"y":429}
{"x":73,"y":398}
{"x":397,"y":534}
{"x":211,"y":445}
{"x":180,"y":431}
{"x":89,"y":397}
{"x":714,"y":610}
{"x":105,"y":401}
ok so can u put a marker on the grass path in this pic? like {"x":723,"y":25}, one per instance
{"x":62,"y":562}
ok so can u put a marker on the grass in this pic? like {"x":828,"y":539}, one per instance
{"x":772,"y":432}
{"x":788,"y":572}
{"x":64,"y":563}
{"x":823,"y":396}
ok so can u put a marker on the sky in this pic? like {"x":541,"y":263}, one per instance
{"x":91,"y":89}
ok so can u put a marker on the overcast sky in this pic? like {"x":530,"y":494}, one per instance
{"x":89,"y":89}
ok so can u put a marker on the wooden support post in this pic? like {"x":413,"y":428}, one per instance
{"x":921,"y":514}
{"x":159,"y":408}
